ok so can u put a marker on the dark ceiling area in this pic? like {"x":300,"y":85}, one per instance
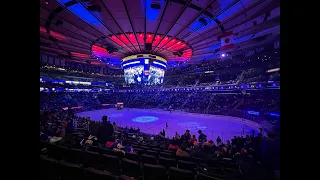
{"x":103,"y":32}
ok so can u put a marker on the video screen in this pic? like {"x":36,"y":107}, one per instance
{"x":156,"y":75}
{"x":133,"y":74}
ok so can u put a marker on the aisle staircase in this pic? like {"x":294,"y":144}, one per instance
{"x":237,"y":105}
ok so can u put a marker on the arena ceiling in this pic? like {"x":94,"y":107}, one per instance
{"x":181,"y":31}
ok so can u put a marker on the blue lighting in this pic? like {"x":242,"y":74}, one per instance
{"x":254,"y":113}
{"x":196,"y":24}
{"x":213,"y":47}
{"x":192,"y":126}
{"x":152,"y":14}
{"x":83,"y":13}
{"x":145,"y":119}
{"x":116,"y":115}
{"x":208,"y":56}
{"x":236,"y":41}
{"x":242,"y":39}
{"x":231,"y":11}
{"x":222,"y":5}
{"x":274,"y":114}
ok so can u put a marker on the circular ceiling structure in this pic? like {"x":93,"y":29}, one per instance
{"x":103,"y":32}
{"x":171,"y":48}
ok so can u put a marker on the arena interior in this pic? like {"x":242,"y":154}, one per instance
{"x":159,"y":89}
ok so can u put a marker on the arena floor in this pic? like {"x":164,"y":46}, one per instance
{"x":153,"y":121}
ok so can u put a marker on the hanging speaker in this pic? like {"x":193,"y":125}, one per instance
{"x":148,"y":46}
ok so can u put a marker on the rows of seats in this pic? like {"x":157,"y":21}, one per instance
{"x":52,"y":169}
{"x":149,"y":162}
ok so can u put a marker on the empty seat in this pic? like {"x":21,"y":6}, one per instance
{"x":150,"y":152}
{"x":111,"y":163}
{"x":197,"y":160}
{"x":149,"y":159}
{"x":124,"y":177}
{"x":187,"y":165}
{"x":216,"y":172}
{"x":134,"y":143}
{"x":132,"y":156}
{"x":102,"y":150}
{"x":156,"y":149}
{"x":48,"y":146}
{"x":166,"y":155}
{"x":114,"y":153}
{"x":58,"y":152}
{"x":71,"y":171}
{"x":167,"y":162}
{"x":233,"y":173}
{"x":95,"y":149}
{"x":42,"y":144}
{"x":144,"y":147}
{"x":139,"y":151}
{"x":154,"y":172}
{"x":182,"y":158}
{"x":214,"y":163}
{"x":229,"y":165}
{"x":178,"y":174}
{"x":75,"y":156}
{"x":169,"y":151}
{"x":91,"y":173}
{"x":48,"y":168}
{"x":131,"y":168}
{"x":91,"y":159}
{"x":202,"y":176}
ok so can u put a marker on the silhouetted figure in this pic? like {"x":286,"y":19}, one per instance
{"x":105,"y":131}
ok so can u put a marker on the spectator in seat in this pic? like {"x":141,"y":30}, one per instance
{"x":110,"y":143}
{"x":219,"y":141}
{"x":44,"y":137}
{"x":182,"y":151}
{"x":196,"y":152}
{"x":68,"y":141}
{"x":225,"y":153}
{"x":90,"y":141}
{"x":127,"y":147}
{"x":173,"y":145}
{"x":193,"y":139}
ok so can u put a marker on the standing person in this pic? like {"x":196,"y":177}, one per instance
{"x":167,"y":125}
{"x":187,"y":135}
{"x":115,"y":128}
{"x":202,"y":137}
{"x":270,"y":153}
{"x":163,"y":133}
{"x":105,"y":131}
{"x":177,"y":136}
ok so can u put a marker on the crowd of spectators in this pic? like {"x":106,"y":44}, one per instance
{"x":237,"y":104}
{"x":198,"y":102}
{"x":247,"y":152}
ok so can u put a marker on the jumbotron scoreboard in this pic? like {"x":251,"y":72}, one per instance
{"x":144,"y":69}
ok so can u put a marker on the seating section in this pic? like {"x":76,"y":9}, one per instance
{"x":154,"y":163}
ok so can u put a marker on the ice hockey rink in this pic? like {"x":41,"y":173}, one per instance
{"x":153,"y":121}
